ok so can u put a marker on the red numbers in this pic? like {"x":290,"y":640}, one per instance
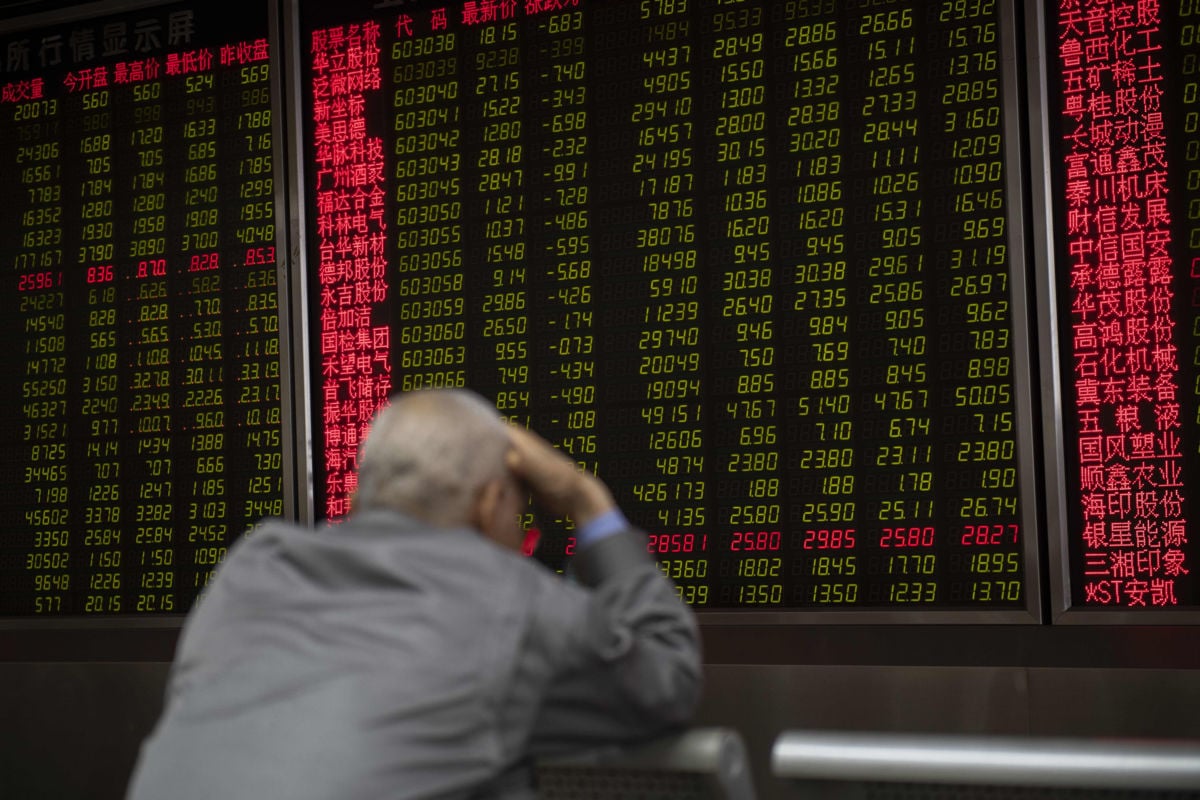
{"x":100,"y":274}
{"x":976,"y":535}
{"x":667,"y":543}
{"x":532,"y":537}
{"x":753,"y":541}
{"x":259,"y":255}
{"x":828,"y":538}
{"x":907,"y":537}
{"x":153,"y":268}
{"x":33,"y":281}
{"x":204,"y":261}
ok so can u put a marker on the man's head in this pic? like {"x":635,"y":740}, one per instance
{"x":439,"y":455}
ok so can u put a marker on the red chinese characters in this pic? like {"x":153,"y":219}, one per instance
{"x":244,"y":52}
{"x":351,"y":228}
{"x":1124,"y":351}
{"x":22,"y":91}
{"x":190,"y":62}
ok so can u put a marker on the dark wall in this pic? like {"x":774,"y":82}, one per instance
{"x":71,"y":730}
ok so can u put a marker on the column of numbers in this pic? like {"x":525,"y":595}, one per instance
{"x":149,"y":359}
{"x":739,"y":238}
{"x":566,"y":363}
{"x":201,"y":483}
{"x":429,"y":347}
{"x":823,"y":520}
{"x":255,"y":311}
{"x":500,"y":164}
{"x":897,"y":293}
{"x":979,"y":367}
{"x":668,"y":352}
{"x":38,"y":283}
{"x":101,"y":387}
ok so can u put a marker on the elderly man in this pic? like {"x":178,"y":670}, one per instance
{"x":411,"y":651}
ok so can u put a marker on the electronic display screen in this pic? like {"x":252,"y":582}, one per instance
{"x":750,"y":262}
{"x":1126,"y":128}
{"x":139,"y":312}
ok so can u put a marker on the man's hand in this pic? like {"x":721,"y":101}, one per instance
{"x":557,"y":482}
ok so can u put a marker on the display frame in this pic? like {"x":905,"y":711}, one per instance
{"x":1042,"y":57}
{"x":291,"y":458}
{"x":1025,"y":407}
{"x":293,"y":217}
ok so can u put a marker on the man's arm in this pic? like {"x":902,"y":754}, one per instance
{"x":556,"y":481}
{"x":626,"y":648}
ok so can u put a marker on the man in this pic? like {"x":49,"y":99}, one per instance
{"x":411,"y":651}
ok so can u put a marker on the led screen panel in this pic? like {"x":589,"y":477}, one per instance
{"x":142,"y":426}
{"x":753,"y":263}
{"x":1123,"y":123}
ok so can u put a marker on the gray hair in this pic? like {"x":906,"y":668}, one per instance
{"x":429,"y":453}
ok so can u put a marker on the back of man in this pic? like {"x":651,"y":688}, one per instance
{"x":388,"y":657}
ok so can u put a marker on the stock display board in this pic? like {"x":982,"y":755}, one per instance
{"x":1126,"y":126}
{"x":139,"y":313}
{"x":751,"y":262}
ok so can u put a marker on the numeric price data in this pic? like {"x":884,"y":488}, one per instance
{"x":750,"y":262}
{"x":139,"y":305}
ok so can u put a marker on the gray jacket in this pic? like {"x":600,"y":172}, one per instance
{"x":380,"y":659}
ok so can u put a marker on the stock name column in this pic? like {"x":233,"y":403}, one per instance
{"x":745,"y":438}
{"x":351,"y":230}
{"x":1131,"y":511}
